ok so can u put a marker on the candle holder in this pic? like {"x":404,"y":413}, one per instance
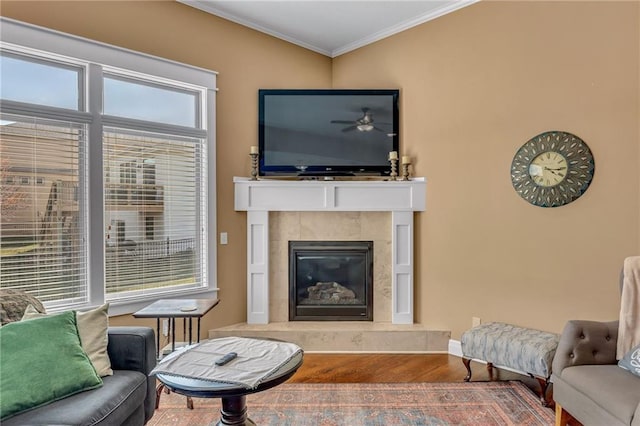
{"x":394,"y":169}
{"x":254,"y":165}
{"x":405,"y":171}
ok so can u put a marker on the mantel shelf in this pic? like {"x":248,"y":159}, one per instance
{"x":329,"y":195}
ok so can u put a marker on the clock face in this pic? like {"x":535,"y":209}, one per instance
{"x":548,"y":169}
{"x":552,"y":169}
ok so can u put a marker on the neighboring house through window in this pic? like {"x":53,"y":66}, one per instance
{"x":107,"y":189}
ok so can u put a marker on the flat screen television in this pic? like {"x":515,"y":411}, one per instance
{"x":327,"y":132}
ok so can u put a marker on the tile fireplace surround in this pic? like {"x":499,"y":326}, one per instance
{"x":297,"y":207}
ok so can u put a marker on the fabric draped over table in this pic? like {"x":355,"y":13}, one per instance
{"x":257,"y":360}
{"x":629,"y":329}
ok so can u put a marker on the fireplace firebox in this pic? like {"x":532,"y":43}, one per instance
{"x":331,"y":280}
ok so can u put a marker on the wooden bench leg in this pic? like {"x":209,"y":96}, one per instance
{"x":467,"y":364}
{"x":544,"y":385}
{"x":490,"y":371}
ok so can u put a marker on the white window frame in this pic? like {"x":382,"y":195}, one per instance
{"x":101,"y":58}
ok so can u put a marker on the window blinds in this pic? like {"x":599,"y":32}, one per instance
{"x":41,"y":208}
{"x":154,"y":202}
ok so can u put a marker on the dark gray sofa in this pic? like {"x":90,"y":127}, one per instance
{"x":126,"y":398}
{"x":588,"y":383}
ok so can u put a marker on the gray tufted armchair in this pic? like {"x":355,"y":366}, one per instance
{"x":587,"y":382}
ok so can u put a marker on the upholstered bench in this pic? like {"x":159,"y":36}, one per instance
{"x":519,"y":349}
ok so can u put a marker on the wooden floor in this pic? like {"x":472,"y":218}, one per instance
{"x":391,"y":368}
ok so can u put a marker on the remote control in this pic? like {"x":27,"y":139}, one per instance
{"x":226,"y":358}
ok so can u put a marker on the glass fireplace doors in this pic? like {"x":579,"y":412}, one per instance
{"x":330,"y":280}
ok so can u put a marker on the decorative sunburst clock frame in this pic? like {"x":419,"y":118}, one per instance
{"x":552,"y":169}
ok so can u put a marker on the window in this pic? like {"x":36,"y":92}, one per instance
{"x":172,"y":257}
{"x":41,"y":239}
{"x":107,"y":191}
{"x":146,"y":101}
{"x":149,"y":226}
{"x":29,"y":79}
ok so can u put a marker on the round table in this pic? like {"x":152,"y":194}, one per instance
{"x":234,"y":403}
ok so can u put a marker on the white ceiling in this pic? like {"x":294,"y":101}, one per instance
{"x":330,"y":27}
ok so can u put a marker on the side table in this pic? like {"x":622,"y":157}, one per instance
{"x":172,"y":309}
{"x":233,"y":396}
{"x":176,"y":308}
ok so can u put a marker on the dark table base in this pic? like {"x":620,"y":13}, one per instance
{"x":234,"y":412}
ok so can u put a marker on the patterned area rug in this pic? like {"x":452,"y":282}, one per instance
{"x":372,"y":404}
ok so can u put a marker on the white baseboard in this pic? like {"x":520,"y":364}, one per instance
{"x":455,"y":348}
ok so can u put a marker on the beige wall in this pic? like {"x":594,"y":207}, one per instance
{"x":476,"y":85}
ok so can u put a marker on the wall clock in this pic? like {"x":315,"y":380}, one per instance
{"x":552,"y":169}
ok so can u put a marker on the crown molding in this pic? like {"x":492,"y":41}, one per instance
{"x":207,"y":7}
{"x":402,"y":26}
{"x":379,"y":35}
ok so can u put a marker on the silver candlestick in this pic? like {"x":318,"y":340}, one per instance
{"x":254,"y":165}
{"x":394,"y":169}
{"x":405,"y":171}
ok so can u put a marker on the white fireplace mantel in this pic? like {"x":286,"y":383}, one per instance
{"x":259,"y":197}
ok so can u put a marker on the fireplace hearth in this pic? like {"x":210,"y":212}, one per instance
{"x":330,"y":280}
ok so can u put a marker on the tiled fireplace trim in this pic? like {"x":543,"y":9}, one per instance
{"x":258,"y":198}
{"x":328,"y":226}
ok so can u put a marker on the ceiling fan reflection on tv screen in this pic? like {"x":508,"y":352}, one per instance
{"x":362,"y":124}
{"x":327,"y":132}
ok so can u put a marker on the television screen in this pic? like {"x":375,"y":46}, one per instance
{"x":327,"y":132}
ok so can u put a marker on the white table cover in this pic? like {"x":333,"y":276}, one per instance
{"x":257,"y":359}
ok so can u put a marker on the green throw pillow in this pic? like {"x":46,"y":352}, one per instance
{"x":631,"y":361}
{"x":41,"y":362}
{"x":92,"y":328}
